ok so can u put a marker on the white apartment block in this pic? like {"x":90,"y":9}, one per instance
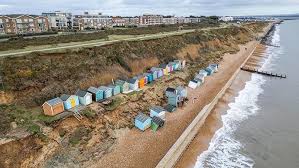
{"x":169,"y":20}
{"x":148,"y":19}
{"x":226,"y":18}
{"x":91,"y":21}
{"x":59,"y":20}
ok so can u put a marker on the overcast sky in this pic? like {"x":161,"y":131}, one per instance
{"x":165,"y":7}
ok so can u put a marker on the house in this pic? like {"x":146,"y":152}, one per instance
{"x":85,"y":98}
{"x":133,"y":84}
{"x":170,"y":108}
{"x":200,"y":77}
{"x":124,"y":86}
{"x":193,"y":84}
{"x":174,"y":99}
{"x":203,"y":72}
{"x":108,"y":92}
{"x":115,"y":89}
{"x":170,"y":91}
{"x":165,"y":69}
{"x":158,"y":112}
{"x":53,"y":107}
{"x":182,"y":91}
{"x":97,"y":94}
{"x":210,"y":70}
{"x":157,"y":123}
{"x":150,"y":77}
{"x":69,"y":101}
{"x":179,"y":62}
{"x":142,"y":121}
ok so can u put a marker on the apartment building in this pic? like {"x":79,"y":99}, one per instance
{"x":226,"y":18}
{"x":131,"y":21}
{"x":118,"y":21}
{"x":23,"y":24}
{"x":59,"y":20}
{"x":148,"y":19}
{"x":168,"y":20}
{"x":91,"y":21}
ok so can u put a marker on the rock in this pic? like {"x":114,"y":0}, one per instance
{"x":13,"y":125}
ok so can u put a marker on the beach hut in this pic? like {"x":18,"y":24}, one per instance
{"x":124,"y":86}
{"x":150,"y":77}
{"x":157,"y":123}
{"x":115,"y":89}
{"x":209,"y":70}
{"x":170,"y":108}
{"x":203,"y":72}
{"x":165,"y":69}
{"x":179,"y":62}
{"x":97,"y":94}
{"x":53,"y":107}
{"x":108,"y":92}
{"x":69,"y":101}
{"x":200,"y":77}
{"x":169,"y":91}
{"x":198,"y":81}
{"x":193,"y":84}
{"x":157,"y":111}
{"x":175,"y":66}
{"x":154,"y":72}
{"x":182,"y":91}
{"x":141,"y":81}
{"x":174,"y":99}
{"x":85,"y":98}
{"x":142,"y":121}
{"x":133,"y":84}
{"x":171,"y":66}
{"x":215,"y":67}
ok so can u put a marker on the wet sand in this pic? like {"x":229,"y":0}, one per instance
{"x":213,"y":121}
{"x":146,"y":149}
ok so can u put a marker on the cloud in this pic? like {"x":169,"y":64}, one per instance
{"x":137,"y":7}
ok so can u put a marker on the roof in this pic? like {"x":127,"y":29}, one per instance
{"x":132,"y":80}
{"x":194,"y":81}
{"x":64,"y":97}
{"x":157,"y":109}
{"x":158,"y":121}
{"x":120,"y":82}
{"x":93,"y":89}
{"x":112,"y":86}
{"x":163,"y":66}
{"x":170,"y":108}
{"x":214,"y":65}
{"x":203,"y":71}
{"x":54,"y":102}
{"x":155,"y":69}
{"x":142,"y":117}
{"x":169,"y":89}
{"x":104,"y":88}
{"x":200,"y":76}
{"x":180,"y":88}
{"x":81,"y":93}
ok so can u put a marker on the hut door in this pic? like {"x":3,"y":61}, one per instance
{"x":73,"y":102}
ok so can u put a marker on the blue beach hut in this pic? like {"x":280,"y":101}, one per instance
{"x":85,"y":98}
{"x":108,"y":92}
{"x":97,"y":94}
{"x":158,"y":112}
{"x":209,"y":70}
{"x":69,"y":101}
{"x":142,"y":121}
{"x":115,"y":89}
{"x":150,"y":77}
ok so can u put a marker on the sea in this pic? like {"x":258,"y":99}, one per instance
{"x":261,"y":126}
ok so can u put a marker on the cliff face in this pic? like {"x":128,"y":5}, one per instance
{"x":38,"y":77}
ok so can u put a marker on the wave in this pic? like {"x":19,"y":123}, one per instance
{"x":224,"y":148}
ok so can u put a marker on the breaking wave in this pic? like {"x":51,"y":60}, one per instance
{"x":224,"y":149}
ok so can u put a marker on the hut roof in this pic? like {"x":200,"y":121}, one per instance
{"x":64,"y":97}
{"x":170,"y":108}
{"x":104,"y":88}
{"x":112,"y":86}
{"x":180,"y":88}
{"x":169,"y":89}
{"x":132,"y":80}
{"x":158,"y":121}
{"x":93,"y":90}
{"x":142,"y":117}
{"x":54,"y":101}
{"x":157,"y":109}
{"x":120,"y":82}
{"x":81,"y":93}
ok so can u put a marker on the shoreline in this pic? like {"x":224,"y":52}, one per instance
{"x":135,"y":148}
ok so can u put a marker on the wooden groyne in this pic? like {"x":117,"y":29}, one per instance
{"x":252,"y":70}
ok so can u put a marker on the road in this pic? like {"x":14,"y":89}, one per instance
{"x":100,"y":43}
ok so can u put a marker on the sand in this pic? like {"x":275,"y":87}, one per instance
{"x":145,"y":149}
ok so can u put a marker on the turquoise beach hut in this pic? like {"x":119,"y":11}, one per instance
{"x":154,"y":72}
{"x":85,"y":98}
{"x":124,"y":86}
{"x":108,"y":92}
{"x":142,"y":121}
{"x":97,"y":94}
{"x":115,"y":89}
{"x":173,"y":99}
{"x":179,"y":64}
{"x":69,"y":101}
{"x":150,"y":77}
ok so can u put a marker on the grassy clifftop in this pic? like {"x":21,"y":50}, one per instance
{"x":38,"y":77}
